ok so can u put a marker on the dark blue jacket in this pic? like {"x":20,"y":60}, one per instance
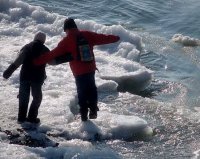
{"x":28,"y":53}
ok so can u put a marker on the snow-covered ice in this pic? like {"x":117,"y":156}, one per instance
{"x":61,"y":133}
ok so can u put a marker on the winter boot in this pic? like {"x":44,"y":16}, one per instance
{"x":34,"y":120}
{"x":84,"y":114}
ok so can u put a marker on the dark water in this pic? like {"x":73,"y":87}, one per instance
{"x":163,"y":17}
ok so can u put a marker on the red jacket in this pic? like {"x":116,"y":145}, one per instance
{"x":68,"y":44}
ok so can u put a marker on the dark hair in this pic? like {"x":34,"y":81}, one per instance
{"x":69,"y":24}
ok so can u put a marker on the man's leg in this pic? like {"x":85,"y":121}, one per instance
{"x":36,"y":90}
{"x":24,"y":93}
{"x":92,"y":97}
{"x":82,"y":96}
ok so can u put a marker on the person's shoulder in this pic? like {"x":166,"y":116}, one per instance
{"x":86,"y":32}
{"x":32,"y":45}
{"x":64,"y":38}
{"x":46,"y":49}
{"x":27,"y":46}
{"x":64,"y":41}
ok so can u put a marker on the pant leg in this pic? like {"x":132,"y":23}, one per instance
{"x":87,"y":92}
{"x":24,"y":94}
{"x":82,"y":93}
{"x":92,"y":93}
{"x":36,"y":90}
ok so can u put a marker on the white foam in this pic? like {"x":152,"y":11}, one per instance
{"x":109,"y":126}
{"x":107,"y":86}
{"x":185,"y":40}
{"x":131,"y":82}
{"x":9,"y":151}
{"x":126,"y":36}
{"x":71,"y":149}
{"x":19,"y":22}
{"x":128,"y":51}
{"x":197,"y":154}
{"x":3,"y":136}
{"x":22,"y":19}
{"x":123,"y":127}
{"x":31,"y":19}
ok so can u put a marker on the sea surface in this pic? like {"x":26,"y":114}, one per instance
{"x":170,"y":103}
{"x":156,"y":22}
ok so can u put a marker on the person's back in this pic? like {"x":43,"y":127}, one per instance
{"x":31,"y":78}
{"x":29,"y":71}
{"x":78,"y":67}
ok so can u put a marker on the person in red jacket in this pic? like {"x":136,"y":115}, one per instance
{"x":80,"y":45}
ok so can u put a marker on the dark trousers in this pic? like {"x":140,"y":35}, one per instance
{"x":24,"y":94}
{"x":87,"y":92}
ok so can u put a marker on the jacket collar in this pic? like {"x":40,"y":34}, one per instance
{"x":73,"y":31}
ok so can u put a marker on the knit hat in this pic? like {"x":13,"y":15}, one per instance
{"x":40,"y":36}
{"x":69,"y":24}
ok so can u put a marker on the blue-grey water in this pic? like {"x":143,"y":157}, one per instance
{"x":156,"y":22}
{"x":163,"y":17}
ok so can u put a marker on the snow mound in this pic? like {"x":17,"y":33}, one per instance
{"x":185,"y":40}
{"x":131,"y":82}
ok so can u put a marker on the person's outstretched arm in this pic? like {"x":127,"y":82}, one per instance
{"x":45,"y":58}
{"x":18,"y":61}
{"x":101,"y":39}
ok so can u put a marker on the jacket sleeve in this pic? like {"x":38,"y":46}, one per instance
{"x":45,"y":58}
{"x":100,"y":39}
{"x":20,"y":58}
{"x":18,"y":61}
{"x":9,"y":71}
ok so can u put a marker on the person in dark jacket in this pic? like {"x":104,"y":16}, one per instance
{"x":80,"y":44}
{"x":31,"y":78}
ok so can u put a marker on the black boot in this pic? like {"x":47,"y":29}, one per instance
{"x":22,"y":114}
{"x":84,"y":114}
{"x":21,"y":120}
{"x":93,"y":112}
{"x":34,"y":120}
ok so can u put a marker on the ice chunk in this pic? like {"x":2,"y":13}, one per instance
{"x":131,"y":82}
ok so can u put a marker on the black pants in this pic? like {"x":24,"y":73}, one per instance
{"x":87,"y":92}
{"x":24,"y":94}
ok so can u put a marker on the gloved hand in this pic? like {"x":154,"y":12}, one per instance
{"x":61,"y":59}
{"x":9,"y":71}
{"x":64,"y":58}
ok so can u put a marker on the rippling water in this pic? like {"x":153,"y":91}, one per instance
{"x":163,"y":17}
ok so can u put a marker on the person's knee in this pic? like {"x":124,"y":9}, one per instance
{"x":37,"y":98}
{"x":83,"y":104}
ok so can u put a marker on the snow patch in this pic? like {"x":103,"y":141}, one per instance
{"x":131,"y":82}
{"x":185,"y":40}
